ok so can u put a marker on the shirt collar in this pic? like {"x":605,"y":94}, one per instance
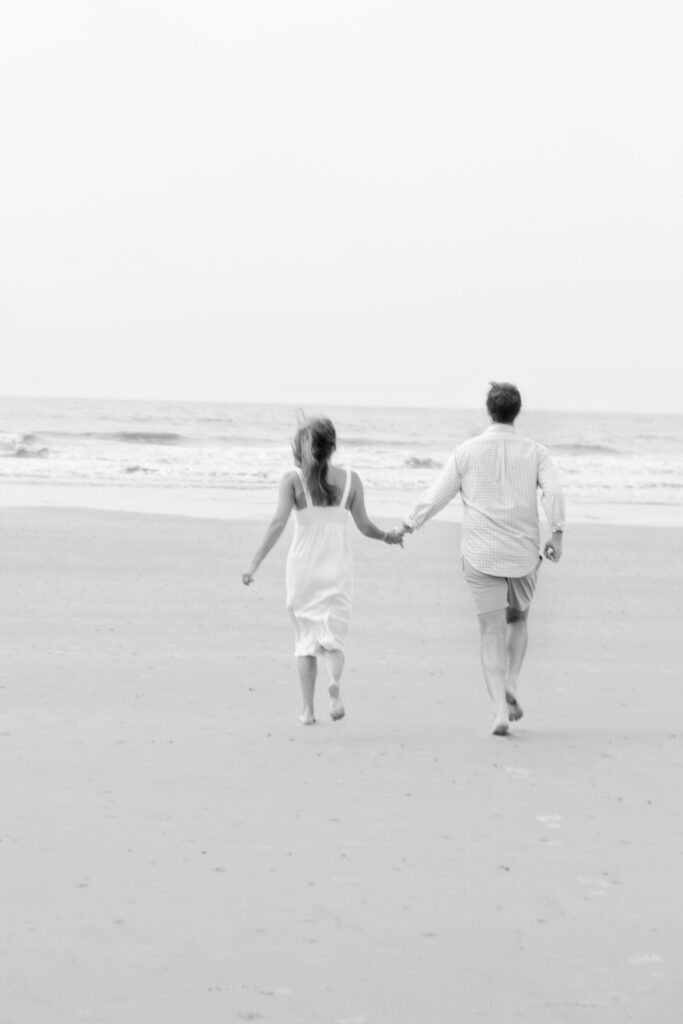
{"x":495,"y":427}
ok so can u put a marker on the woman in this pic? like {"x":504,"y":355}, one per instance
{"x":319,"y":564}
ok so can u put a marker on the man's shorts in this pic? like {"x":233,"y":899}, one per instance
{"x":496,"y":593}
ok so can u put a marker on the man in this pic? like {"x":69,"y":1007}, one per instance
{"x":498,"y":475}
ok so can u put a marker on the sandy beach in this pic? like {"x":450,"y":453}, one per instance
{"x":176,"y":848}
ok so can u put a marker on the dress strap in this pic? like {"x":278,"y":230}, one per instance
{"x":347,"y":489}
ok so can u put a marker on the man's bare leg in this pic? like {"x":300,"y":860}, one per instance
{"x":308,"y":671}
{"x":493,"y":627}
{"x":516,"y":643}
{"x":334,"y":666}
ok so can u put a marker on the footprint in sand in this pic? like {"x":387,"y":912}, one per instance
{"x":594,"y":886}
{"x":645,"y":958}
{"x":517,"y":773}
{"x":550,"y":820}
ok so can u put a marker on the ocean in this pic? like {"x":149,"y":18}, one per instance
{"x":225,"y":460}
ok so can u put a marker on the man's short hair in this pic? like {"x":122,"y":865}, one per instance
{"x":503,"y":402}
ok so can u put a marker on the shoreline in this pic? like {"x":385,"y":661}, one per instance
{"x":259,"y":504}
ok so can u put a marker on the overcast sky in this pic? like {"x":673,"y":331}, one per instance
{"x":343,"y":202}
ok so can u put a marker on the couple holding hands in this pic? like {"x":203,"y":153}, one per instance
{"x":498,"y":475}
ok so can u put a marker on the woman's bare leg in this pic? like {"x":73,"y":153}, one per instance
{"x":308,"y":671}
{"x":334,"y":666}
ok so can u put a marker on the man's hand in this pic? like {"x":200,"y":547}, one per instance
{"x":553,"y":548}
{"x":394,"y":536}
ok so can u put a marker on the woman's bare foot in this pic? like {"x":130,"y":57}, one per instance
{"x":501,"y":723}
{"x":336,"y":707}
{"x":307,"y":717}
{"x":515,"y":711}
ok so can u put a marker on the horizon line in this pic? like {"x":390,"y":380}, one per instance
{"x":333,"y":404}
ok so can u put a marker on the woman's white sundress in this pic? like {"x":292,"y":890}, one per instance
{"x":320,"y":575}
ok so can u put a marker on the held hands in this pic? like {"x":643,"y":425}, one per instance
{"x":396,"y":535}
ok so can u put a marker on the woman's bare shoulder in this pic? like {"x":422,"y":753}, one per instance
{"x":355,"y":488}
{"x":290,"y":478}
{"x":338,"y":475}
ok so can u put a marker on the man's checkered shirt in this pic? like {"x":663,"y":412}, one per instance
{"x":498,"y":475}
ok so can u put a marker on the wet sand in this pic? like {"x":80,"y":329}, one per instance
{"x":175,"y":847}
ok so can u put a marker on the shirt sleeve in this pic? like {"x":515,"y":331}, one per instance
{"x":552,"y":498}
{"x":438,"y":495}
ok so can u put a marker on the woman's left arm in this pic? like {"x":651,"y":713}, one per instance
{"x":363,"y":521}
{"x":275,"y":528}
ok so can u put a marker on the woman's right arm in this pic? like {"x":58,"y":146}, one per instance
{"x":362,"y":519}
{"x":275,"y":528}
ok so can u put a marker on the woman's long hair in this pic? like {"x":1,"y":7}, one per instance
{"x":312,"y":447}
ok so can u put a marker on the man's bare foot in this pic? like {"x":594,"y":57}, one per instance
{"x":307,"y":717}
{"x":336,"y":707}
{"x":501,"y":724}
{"x":515,"y":711}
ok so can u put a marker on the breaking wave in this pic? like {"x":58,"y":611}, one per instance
{"x":582,"y":449}
{"x":414,"y":463}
